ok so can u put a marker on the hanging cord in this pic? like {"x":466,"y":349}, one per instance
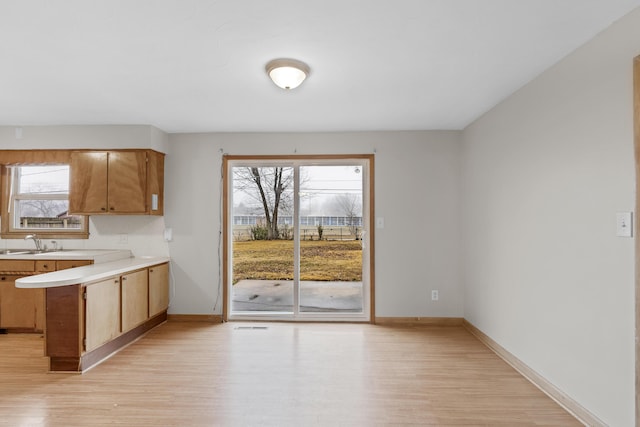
{"x":220,"y":203}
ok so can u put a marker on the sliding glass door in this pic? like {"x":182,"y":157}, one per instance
{"x":297,"y":234}
{"x":330,"y":224}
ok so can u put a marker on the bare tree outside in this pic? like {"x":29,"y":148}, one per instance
{"x":269,"y":189}
{"x":351,"y":206}
{"x":43,"y":208}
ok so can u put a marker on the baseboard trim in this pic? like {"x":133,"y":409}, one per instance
{"x":209,"y":318}
{"x":419,"y":321}
{"x":560,"y":397}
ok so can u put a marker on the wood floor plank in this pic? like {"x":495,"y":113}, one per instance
{"x":237,"y":374}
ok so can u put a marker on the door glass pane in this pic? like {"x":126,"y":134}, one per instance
{"x":331,"y":239}
{"x":262,"y":234}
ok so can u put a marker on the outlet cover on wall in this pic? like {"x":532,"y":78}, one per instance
{"x":435,"y":295}
{"x":123,"y":239}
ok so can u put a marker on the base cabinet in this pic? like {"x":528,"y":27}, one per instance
{"x":158,"y":289}
{"x":135,"y":299}
{"x":21,"y":310}
{"x":88,"y":322}
{"x":102,"y":313}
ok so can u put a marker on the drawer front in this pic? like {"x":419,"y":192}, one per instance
{"x":8,"y":278}
{"x":67,"y":263}
{"x":45,"y":266}
{"x":17,"y":265}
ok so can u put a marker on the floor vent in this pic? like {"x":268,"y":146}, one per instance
{"x":251,"y":327}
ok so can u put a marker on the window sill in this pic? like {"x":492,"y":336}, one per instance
{"x":45,"y":235}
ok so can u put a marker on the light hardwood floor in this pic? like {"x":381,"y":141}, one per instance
{"x":234,"y":374}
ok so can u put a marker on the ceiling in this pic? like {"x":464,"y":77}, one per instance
{"x":198,"y":65}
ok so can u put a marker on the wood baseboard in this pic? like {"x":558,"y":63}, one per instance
{"x":560,"y":397}
{"x":210,"y":318}
{"x":419,"y":321}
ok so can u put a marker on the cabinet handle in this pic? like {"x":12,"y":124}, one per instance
{"x":46,"y":266}
{"x":3,"y":278}
{"x":151,"y":270}
{"x":124,"y":278}
{"x":103,"y":208}
{"x":112,"y":208}
{"x":115,"y":281}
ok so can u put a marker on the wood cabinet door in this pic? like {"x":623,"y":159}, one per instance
{"x":127,"y":182}
{"x":41,"y":316}
{"x":20,"y":308}
{"x":102,"y":312}
{"x":158,"y":289}
{"x":135,"y":299}
{"x":155,"y":182}
{"x":69,"y":263}
{"x":88,"y":182}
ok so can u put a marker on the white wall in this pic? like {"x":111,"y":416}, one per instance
{"x":544,"y":174}
{"x":416,"y":177}
{"x":80,"y":137}
{"x":144,"y":234}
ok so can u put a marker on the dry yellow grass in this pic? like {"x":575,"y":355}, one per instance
{"x":319,"y":260}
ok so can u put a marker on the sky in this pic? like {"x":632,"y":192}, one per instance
{"x":320,"y":187}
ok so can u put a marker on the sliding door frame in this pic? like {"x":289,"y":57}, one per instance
{"x":636,"y":131}
{"x":226,"y":213}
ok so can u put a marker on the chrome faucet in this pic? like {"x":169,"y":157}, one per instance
{"x":35,"y":240}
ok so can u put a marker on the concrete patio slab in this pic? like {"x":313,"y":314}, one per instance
{"x":315,"y":296}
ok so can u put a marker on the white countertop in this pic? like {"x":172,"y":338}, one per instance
{"x":97,"y":255}
{"x":88,"y":273}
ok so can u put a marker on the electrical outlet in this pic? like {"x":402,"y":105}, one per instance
{"x":123,"y":239}
{"x":434,"y":295}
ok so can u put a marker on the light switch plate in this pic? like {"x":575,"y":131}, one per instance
{"x":380,"y":222}
{"x":624,"y":224}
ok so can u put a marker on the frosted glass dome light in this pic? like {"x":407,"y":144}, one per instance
{"x":287,"y":73}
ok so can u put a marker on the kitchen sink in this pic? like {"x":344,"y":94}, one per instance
{"x":28,"y":251}
{"x":13,"y":251}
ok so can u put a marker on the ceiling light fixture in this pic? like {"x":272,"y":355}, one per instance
{"x":287,"y":73}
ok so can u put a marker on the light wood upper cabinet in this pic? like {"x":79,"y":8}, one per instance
{"x":127,"y":181}
{"x":155,"y":182}
{"x":116,"y":182}
{"x":88,"y":183}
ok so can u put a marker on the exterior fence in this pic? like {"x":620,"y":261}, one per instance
{"x":307,"y":220}
{"x":70,"y":222}
{"x":243,"y":233}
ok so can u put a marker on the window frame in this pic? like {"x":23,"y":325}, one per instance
{"x":368,"y":163}
{"x":7,"y":231}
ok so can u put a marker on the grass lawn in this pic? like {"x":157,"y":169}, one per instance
{"x":330,"y":260}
